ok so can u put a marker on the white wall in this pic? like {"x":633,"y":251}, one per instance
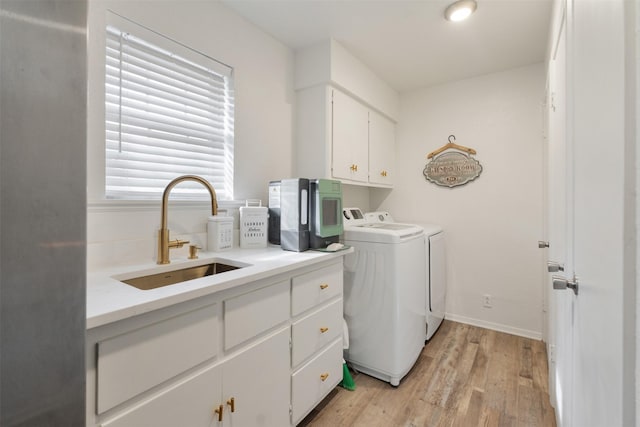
{"x":329,"y":62}
{"x":355,"y":196}
{"x":263,"y":73}
{"x":494,"y":222}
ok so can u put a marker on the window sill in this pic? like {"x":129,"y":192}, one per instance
{"x":154,"y":205}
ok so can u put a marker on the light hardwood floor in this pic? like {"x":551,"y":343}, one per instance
{"x":465,"y":376}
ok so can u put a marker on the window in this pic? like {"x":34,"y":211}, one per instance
{"x":169,"y":112}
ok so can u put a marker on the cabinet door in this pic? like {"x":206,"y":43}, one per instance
{"x":189,"y":403}
{"x":258,"y":381}
{"x":350,"y":134}
{"x":381,"y":149}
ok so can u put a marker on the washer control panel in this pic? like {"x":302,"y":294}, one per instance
{"x":380,"y":216}
{"x":353,"y":216}
{"x":352,"y":213}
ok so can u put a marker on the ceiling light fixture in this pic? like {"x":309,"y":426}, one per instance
{"x":460,"y":10}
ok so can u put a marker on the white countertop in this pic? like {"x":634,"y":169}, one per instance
{"x":110,"y":300}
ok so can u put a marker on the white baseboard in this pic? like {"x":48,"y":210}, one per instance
{"x":495,"y":326}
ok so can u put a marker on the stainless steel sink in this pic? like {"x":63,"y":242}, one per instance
{"x":158,"y":280}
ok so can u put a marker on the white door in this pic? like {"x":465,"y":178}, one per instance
{"x":586,"y":330}
{"x":559,"y":225}
{"x":598,"y":154}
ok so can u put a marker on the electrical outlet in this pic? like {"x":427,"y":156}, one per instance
{"x":486,"y":301}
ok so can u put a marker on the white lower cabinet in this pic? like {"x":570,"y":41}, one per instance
{"x":313,"y":332}
{"x":224,"y":360}
{"x":313,"y":381}
{"x":241,"y":390}
{"x":188,"y":403}
{"x":135,"y":361}
{"x":256,"y":381}
{"x":316,"y":338}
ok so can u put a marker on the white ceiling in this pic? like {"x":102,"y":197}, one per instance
{"x":408,"y":43}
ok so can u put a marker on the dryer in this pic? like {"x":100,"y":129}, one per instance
{"x":384,"y":295}
{"x":436,"y":277}
{"x":436,"y":270}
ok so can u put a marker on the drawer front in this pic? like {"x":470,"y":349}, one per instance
{"x":248,"y":315}
{"x":316,"y":330}
{"x":315,"y":287}
{"x":136,"y":361}
{"x":307,"y":385}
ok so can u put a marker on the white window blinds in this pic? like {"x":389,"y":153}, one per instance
{"x":169,"y":112}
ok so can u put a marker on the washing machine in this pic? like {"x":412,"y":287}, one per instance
{"x":384,"y":295}
{"x":436,"y":270}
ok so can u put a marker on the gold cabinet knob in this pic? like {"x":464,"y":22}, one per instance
{"x":354,"y":168}
{"x":323,"y":330}
{"x":324,"y":376}
{"x":383,"y":173}
{"x":219,"y":411}
{"x":324,"y":286}
{"x":232,"y":403}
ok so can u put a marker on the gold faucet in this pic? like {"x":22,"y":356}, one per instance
{"x":163,"y":235}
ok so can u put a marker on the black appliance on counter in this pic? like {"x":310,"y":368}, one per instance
{"x":274,"y":212}
{"x":294,"y":214}
{"x":305,"y":213}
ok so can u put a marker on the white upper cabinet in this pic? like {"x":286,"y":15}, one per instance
{"x":350,"y":145}
{"x":345,"y":118}
{"x":382,"y":151}
{"x":339,"y":137}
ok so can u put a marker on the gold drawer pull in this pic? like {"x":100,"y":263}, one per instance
{"x":324,"y":376}
{"x":232,"y":402}
{"x":324,"y":286}
{"x":383,"y":173}
{"x":323,"y":330}
{"x":354,"y":168}
{"x":219,"y":412}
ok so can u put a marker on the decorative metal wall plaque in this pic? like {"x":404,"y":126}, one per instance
{"x":452,"y":169}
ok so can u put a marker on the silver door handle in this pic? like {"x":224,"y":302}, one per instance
{"x":542,"y":244}
{"x":554,"y":267}
{"x":560,"y":282}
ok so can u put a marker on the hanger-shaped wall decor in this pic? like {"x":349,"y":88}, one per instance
{"x":453,"y":168}
{"x":450,"y":145}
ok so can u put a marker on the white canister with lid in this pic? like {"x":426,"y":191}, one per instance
{"x":219,"y":233}
{"x":253,"y":224}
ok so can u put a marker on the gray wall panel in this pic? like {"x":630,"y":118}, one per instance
{"x":42,"y":212}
